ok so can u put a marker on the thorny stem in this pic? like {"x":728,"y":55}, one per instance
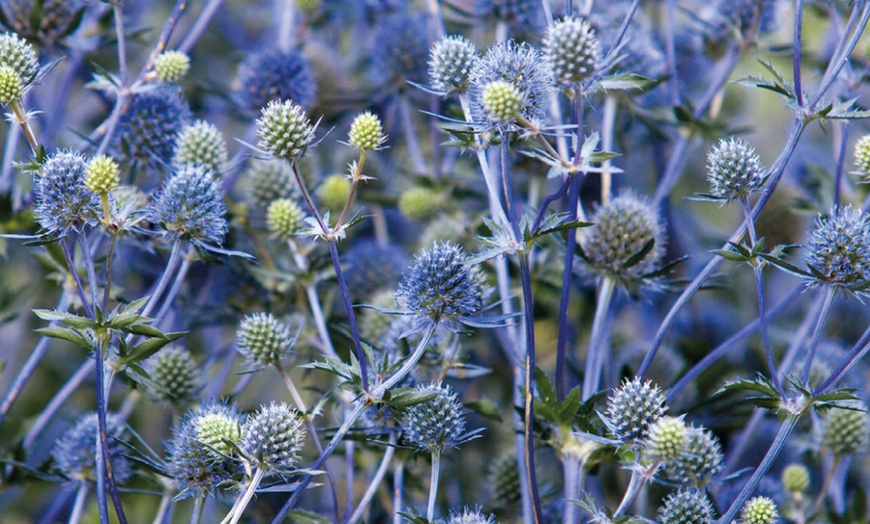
{"x":433,"y":485}
{"x":828,"y":299}
{"x":376,"y":480}
{"x":351,"y":316}
{"x":597,"y":340}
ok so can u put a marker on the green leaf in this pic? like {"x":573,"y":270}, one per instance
{"x":545,"y":388}
{"x":145,"y":349}
{"x":623,"y":82}
{"x":635,"y":259}
{"x":402,"y":398}
{"x":298,"y":516}
{"x":67,"y":334}
{"x":63,"y":317}
{"x":571,"y":405}
{"x":144,"y":330}
{"x":487,"y":408}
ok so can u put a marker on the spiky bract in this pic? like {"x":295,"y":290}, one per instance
{"x":469,"y":516}
{"x":435,"y":424}
{"x":632,"y":408}
{"x":450,"y":63}
{"x":263,"y":339}
{"x":572,"y":51}
{"x":284,"y":130}
{"x":63,"y":201}
{"x":275,"y":75}
{"x":200,"y":144}
{"x":273,"y":437}
{"x":190,"y":207}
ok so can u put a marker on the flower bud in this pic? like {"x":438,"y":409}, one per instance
{"x":171,"y":66}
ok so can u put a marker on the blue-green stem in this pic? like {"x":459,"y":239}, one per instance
{"x":70,"y":262}
{"x":196,"y":513}
{"x":828,"y":299}
{"x":398,"y":491}
{"x":174,"y":289}
{"x":597,"y":340}
{"x":433,"y":484}
{"x":78,"y":509}
{"x":241,"y":504}
{"x":858,"y":351}
{"x":639,"y":477}
{"x":163,"y":510}
{"x":842,"y":52}
{"x":796,"y":50}
{"x":781,"y":437}
{"x":88,"y":262}
{"x":171,"y":266}
{"x":351,"y":316}
{"x":201,"y":24}
{"x":103,"y":381}
{"x":376,"y":480}
{"x":572,"y":469}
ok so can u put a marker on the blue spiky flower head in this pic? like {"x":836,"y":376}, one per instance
{"x":274,"y":75}
{"x":838,"y":251}
{"x":284,"y":130}
{"x":572,"y":51}
{"x":200,"y":144}
{"x":847,"y":431}
{"x":150,"y":125}
{"x":401,"y":50}
{"x":43,"y":20}
{"x":196,"y":458}
{"x":63,"y":201}
{"x":747,"y":18}
{"x":263,"y":339}
{"x":469,"y":516}
{"x":450,"y":63}
{"x":437,"y":423}
{"x":273,"y":437}
{"x":16,"y":53}
{"x":175,"y":370}
{"x":632,"y":408}
{"x":734,"y":170}
{"x":687,"y":507}
{"x":191,"y":208}
{"x":74,"y":453}
{"x":440,"y":287}
{"x":521,"y":66}
{"x":702,"y":460}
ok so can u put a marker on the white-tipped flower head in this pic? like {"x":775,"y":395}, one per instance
{"x":436,"y":423}
{"x":16,"y":53}
{"x":623,"y":228}
{"x":734,"y":170}
{"x":174,"y":369}
{"x":470,"y":516}
{"x":441,"y":287}
{"x":450,"y":63}
{"x":63,"y":201}
{"x":200,"y":467}
{"x":633,"y":407}
{"x":862,"y":157}
{"x":572,"y":51}
{"x":273,"y":437}
{"x":268,"y":181}
{"x":847,"y":431}
{"x":263,"y":339}
{"x":171,"y":66}
{"x":102,"y":174}
{"x":284,"y":218}
{"x":795,"y":478}
{"x":759,"y":510}
{"x":502,"y":101}
{"x":74,"y":453}
{"x":366,"y":132}
{"x":667,"y":439}
{"x":218,"y":427}
{"x":702,"y":460}
{"x":191,"y":207}
{"x":11,"y":87}
{"x":284,"y":130}
{"x":200,"y":144}
{"x":838,"y":250}
{"x":687,"y":507}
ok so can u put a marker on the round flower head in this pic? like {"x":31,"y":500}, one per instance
{"x":687,"y":507}
{"x":517,"y":13}
{"x":200,"y":144}
{"x":847,"y":431}
{"x":572,"y":51}
{"x":63,"y":201}
{"x":171,"y":66}
{"x":284,"y":218}
{"x":193,"y":463}
{"x":734,"y":170}
{"x":759,"y":510}
{"x":747,"y":17}
{"x":334,"y":191}
{"x":437,"y":423}
{"x":441,"y":287}
{"x":504,"y":481}
{"x":502,"y":102}
{"x":151,"y":123}
{"x":371,"y":267}
{"x":273,"y":437}
{"x":632,"y":408}
{"x":102,"y":174}
{"x":74,"y":453}
{"x":274,"y":75}
{"x":16,"y":53}
{"x":174,"y":369}
{"x":43,"y":20}
{"x":401,"y":50}
{"x":862,"y":157}
{"x":419,"y":203}
{"x":366,"y":132}
{"x":623,"y":227}
{"x":517,"y":64}
{"x":450,"y":63}
{"x":191,"y":207}
{"x":267,"y":181}
{"x":284,"y":130}
{"x":470,"y":516}
{"x":263,"y":339}
{"x":838,"y":251}
{"x":702,"y":460}
{"x":795,"y":478}
{"x":10,"y":85}
{"x":667,"y":439}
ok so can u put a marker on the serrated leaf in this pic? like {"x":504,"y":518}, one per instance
{"x":624,"y":81}
{"x":730,"y":255}
{"x":572,"y":403}
{"x":403,"y":398}
{"x":486,"y":408}
{"x":145,"y":330}
{"x":635,"y":259}
{"x":149,"y":347}
{"x":67,"y":334}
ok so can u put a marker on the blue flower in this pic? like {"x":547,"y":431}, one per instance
{"x":838,"y":252}
{"x":63,"y":202}
{"x":151,"y":124}
{"x":401,"y":50}
{"x":191,"y":208}
{"x":274,"y":75}
{"x":74,"y":453}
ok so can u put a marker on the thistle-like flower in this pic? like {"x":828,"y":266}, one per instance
{"x":43,"y":20}
{"x":74,"y":453}
{"x":267,"y":181}
{"x":284,"y":218}
{"x":504,"y":481}
{"x":734,"y":170}
{"x":687,"y":507}
{"x":435,"y":424}
{"x":63,"y":201}
{"x":702,"y":460}
{"x":150,"y":125}
{"x":847,"y":431}
{"x":191,"y":208}
{"x":862,"y":157}
{"x":402,"y":50}
{"x":273,"y":437}
{"x":16,"y":53}
{"x":759,"y":510}
{"x":284,"y":130}
{"x":366,"y":132}
{"x":795,"y":478}
{"x":440,"y":287}
{"x":667,"y":439}
{"x":174,"y":369}
{"x":838,"y":251}
{"x":274,"y":75}
{"x":218,"y":427}
{"x":419,"y":203}
{"x":171,"y":66}
{"x":200,"y":144}
{"x":470,"y":516}
{"x":102,"y":174}
{"x":264,"y":340}
{"x":572,"y":51}
{"x":623,"y":228}
{"x":633,"y":408}
{"x":450,"y":63}
{"x":11,"y":87}
{"x":502,"y":102}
